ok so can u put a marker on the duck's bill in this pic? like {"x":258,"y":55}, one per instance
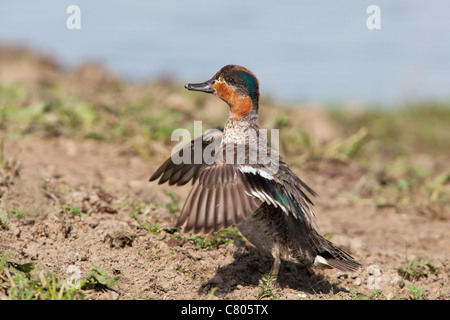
{"x":206,"y":86}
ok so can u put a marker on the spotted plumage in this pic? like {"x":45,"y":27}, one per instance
{"x":243,"y":182}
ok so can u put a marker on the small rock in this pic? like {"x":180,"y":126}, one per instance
{"x":374,"y":270}
{"x":74,"y":279}
{"x":374,"y":279}
{"x":120,"y":239}
{"x":396,"y":280}
{"x":107,"y":209}
{"x":92,"y":222}
{"x":117,"y":234}
{"x":105,"y":196}
{"x":342,"y":276}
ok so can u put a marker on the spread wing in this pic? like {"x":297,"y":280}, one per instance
{"x":217,"y":200}
{"x":227,"y":191}
{"x":181,"y":172}
{"x":280,"y":188}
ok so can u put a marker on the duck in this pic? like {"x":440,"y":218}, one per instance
{"x":242,"y":181}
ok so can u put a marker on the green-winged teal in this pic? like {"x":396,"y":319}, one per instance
{"x":241,"y":181}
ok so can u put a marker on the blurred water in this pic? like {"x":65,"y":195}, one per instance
{"x":300,"y":50}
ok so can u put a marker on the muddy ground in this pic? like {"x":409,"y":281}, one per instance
{"x":109,"y":183}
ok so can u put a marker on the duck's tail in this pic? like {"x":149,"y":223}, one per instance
{"x":331,"y":256}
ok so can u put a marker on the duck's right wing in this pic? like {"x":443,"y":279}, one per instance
{"x":187,"y":164}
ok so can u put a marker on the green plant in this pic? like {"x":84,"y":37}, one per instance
{"x":73,"y":210}
{"x":172,"y":206}
{"x":212,"y":293}
{"x":339,"y":149}
{"x":210,"y":242}
{"x":401,"y":184}
{"x":99,"y":280}
{"x":417,"y":292}
{"x":142,"y":208}
{"x":179,"y":268}
{"x":327,"y":235}
{"x":18,"y":213}
{"x":2,"y":153}
{"x":26,"y":281}
{"x":4,"y":220}
{"x":9,"y":168}
{"x":416,"y":268}
{"x":153,"y":229}
{"x":356,"y":295}
{"x":436,"y":187}
{"x":266,"y":287}
{"x":23,"y":281}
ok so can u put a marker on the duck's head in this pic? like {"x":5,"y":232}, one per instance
{"x":235,"y":85}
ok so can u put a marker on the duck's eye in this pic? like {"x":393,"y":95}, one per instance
{"x":229,"y":80}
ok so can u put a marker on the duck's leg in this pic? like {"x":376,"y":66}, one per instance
{"x":275,"y":270}
{"x":276,"y":266}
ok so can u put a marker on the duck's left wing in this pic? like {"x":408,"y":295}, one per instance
{"x":225,"y":195}
{"x":280,"y":187}
{"x":217,"y":200}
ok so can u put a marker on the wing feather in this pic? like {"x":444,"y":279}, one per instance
{"x":182,"y":173}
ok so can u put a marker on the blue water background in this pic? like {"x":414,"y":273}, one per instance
{"x":300,"y":50}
